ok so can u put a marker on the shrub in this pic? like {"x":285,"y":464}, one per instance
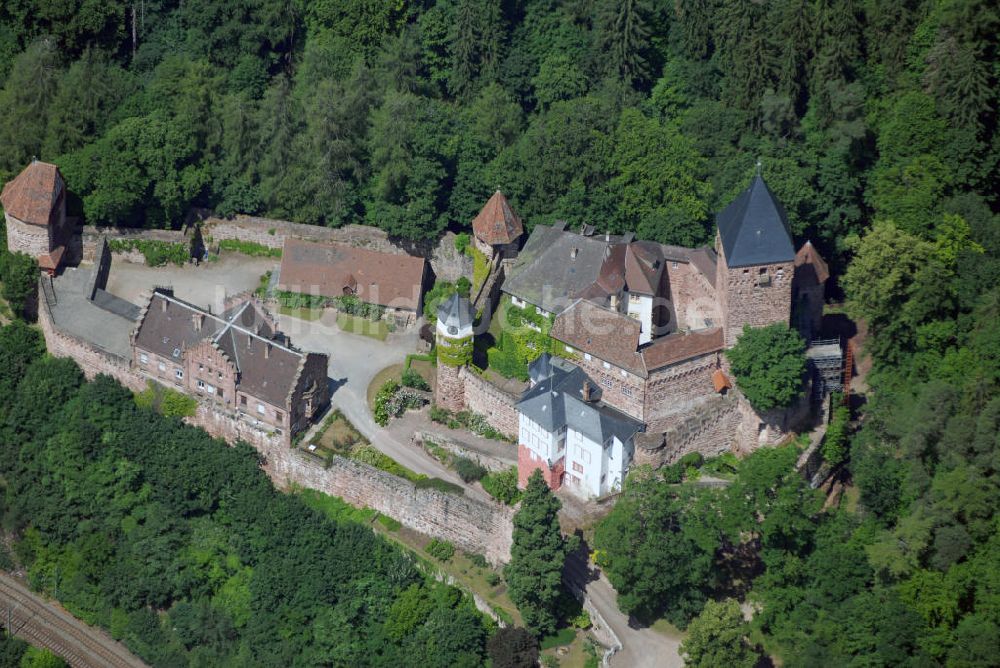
{"x":156,"y":253}
{"x":462,"y":241}
{"x":479,"y":560}
{"x":835,"y":440}
{"x":413,"y":379}
{"x":439,"y":415}
{"x":382,"y":410}
{"x":441,"y":550}
{"x":438,"y":484}
{"x":692,"y":459}
{"x":581,"y":621}
{"x":492,"y":578}
{"x":673,"y":474}
{"x":502,"y":486}
{"x":166,"y":401}
{"x":463,"y":286}
{"x":295,"y":300}
{"x":468,"y":470}
{"x":251,"y":248}
{"x":769,"y":364}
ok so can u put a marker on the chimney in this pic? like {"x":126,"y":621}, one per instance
{"x":163,"y":304}
{"x":573,"y":253}
{"x":267,"y":350}
{"x":249,"y":342}
{"x":199,"y":321}
{"x":585,"y":391}
{"x":614,"y":302}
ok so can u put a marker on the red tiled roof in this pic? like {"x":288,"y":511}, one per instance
{"x":680,"y":346}
{"x":333,"y":270}
{"x":809,"y":265}
{"x":721,"y":381}
{"x":497,"y":224}
{"x":606,"y":334}
{"x":32,"y":194}
{"x":50,"y":261}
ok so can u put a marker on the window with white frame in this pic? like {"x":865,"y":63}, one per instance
{"x":633,"y":298}
{"x":201,"y":384}
{"x":261,"y":408}
{"x":626,"y":390}
{"x":578,"y":467}
{"x":606,"y":365}
{"x":143,"y":358}
{"x":587,"y":357}
{"x":606,"y":382}
{"x":161,"y":366}
{"x":178,"y":374}
{"x":209,"y":388}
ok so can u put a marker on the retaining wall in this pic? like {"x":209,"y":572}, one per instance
{"x":494,"y":404}
{"x":471,"y":525}
{"x":488,"y":462}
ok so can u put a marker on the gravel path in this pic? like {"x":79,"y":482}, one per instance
{"x":46,"y":624}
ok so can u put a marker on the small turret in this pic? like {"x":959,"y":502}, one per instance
{"x":454,"y":351}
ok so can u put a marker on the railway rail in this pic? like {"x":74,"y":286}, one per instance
{"x":27,"y":615}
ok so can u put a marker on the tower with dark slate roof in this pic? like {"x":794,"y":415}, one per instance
{"x":454,"y":351}
{"x":756,"y":261}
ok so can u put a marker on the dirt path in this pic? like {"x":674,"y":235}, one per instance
{"x":46,"y":624}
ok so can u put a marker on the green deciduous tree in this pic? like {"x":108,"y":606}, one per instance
{"x":769,"y":364}
{"x":717,"y":637}
{"x":534,"y":574}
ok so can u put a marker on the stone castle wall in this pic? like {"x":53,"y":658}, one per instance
{"x":709,"y":428}
{"x":92,"y":360}
{"x":491,"y":402}
{"x":671,"y":392}
{"x":449,"y":388}
{"x":473,"y":526}
{"x":619,"y":388}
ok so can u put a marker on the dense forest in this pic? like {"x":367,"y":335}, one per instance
{"x":182,"y":548}
{"x":642,"y":115}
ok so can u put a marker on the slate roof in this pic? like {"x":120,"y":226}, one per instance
{"x":32,"y":194}
{"x":497,"y":224}
{"x":456,"y":311}
{"x":754,"y":228}
{"x":810,"y":267}
{"x":556,"y":401}
{"x":333,"y":270}
{"x":557,"y":267}
{"x":168,"y":325}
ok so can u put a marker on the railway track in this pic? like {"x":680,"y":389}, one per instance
{"x":27,"y":615}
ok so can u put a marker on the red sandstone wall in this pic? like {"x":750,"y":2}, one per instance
{"x":677,"y":388}
{"x":92,"y":360}
{"x":494,"y":404}
{"x":527,"y":462}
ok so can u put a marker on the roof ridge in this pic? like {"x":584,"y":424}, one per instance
{"x":216,"y":318}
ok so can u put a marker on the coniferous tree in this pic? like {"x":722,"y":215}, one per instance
{"x":534,"y":574}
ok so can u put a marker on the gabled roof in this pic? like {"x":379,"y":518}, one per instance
{"x":333,"y":270}
{"x":497,"y":224}
{"x":455,"y":311}
{"x":33,"y":193}
{"x":810,"y":267}
{"x":268,"y":370}
{"x":754,"y":228}
{"x":556,"y":401}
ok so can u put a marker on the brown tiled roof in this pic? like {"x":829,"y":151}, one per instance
{"x":643,"y":266}
{"x":705,"y":260}
{"x":32,"y":194}
{"x":51,"y":261}
{"x":168,"y":325}
{"x":497,"y":224}
{"x":333,"y":270}
{"x":680,"y":346}
{"x":721,"y":381}
{"x":810,"y":266}
{"x":605,"y":334}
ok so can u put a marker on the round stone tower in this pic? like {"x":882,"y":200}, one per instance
{"x":454,"y":351}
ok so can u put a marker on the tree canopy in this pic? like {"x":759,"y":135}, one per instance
{"x":769,"y":364}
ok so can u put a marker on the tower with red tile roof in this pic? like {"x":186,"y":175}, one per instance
{"x":34,"y":205}
{"x":497,"y":229}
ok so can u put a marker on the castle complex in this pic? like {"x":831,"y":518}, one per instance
{"x":641,"y":329}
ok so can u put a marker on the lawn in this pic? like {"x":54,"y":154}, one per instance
{"x":426,"y":370}
{"x":376,"y":329}
{"x":389,"y":373}
{"x":301,"y":313}
{"x":338,"y":435}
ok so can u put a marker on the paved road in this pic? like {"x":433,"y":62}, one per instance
{"x":641,"y":647}
{"x":47,"y":625}
{"x":354,"y":362}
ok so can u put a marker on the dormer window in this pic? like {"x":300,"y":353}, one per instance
{"x":177,"y":352}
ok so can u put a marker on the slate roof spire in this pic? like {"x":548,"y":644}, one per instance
{"x":754,"y":228}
